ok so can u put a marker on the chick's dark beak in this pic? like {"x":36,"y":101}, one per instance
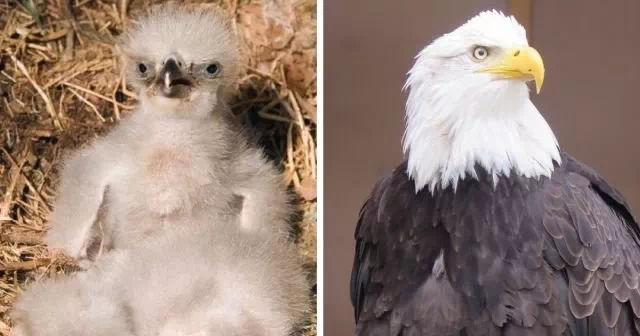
{"x":172,"y":77}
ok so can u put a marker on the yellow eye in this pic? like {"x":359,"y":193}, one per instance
{"x":480,"y":53}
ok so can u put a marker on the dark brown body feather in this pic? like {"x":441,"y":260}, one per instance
{"x":548,"y":256}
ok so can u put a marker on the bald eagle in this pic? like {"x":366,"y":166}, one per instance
{"x":488,"y":227}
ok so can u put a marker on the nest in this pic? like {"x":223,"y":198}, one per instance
{"x":61,"y":87}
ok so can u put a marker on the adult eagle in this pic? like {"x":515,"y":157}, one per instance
{"x":489,"y":228}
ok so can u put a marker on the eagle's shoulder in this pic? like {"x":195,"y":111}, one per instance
{"x":608,"y":193}
{"x":394,"y":253}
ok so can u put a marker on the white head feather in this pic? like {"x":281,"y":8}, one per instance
{"x":458,"y":117}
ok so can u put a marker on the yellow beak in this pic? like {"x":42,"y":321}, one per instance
{"x":520,"y":63}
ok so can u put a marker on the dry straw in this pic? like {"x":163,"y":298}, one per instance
{"x":61,"y":87}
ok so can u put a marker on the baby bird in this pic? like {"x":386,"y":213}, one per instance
{"x":213,"y":281}
{"x":179,"y":155}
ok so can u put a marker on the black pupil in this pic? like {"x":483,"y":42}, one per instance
{"x":212,"y":68}
{"x":142,"y":68}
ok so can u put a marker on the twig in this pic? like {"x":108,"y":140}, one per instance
{"x":6,"y":103}
{"x":93,"y":107}
{"x":274,"y":117}
{"x":23,"y":238}
{"x":266,"y":75}
{"x":6,"y":28}
{"x":103,"y":97}
{"x":50,"y":109}
{"x":25,"y":265}
{"x":26,"y":179}
{"x":70,"y":43}
{"x":233,"y":9}
{"x":123,"y":12}
{"x":6,"y":206}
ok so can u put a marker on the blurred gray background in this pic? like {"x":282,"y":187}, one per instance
{"x":591,"y":51}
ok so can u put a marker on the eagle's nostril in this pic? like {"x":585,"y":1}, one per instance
{"x":516,"y":53}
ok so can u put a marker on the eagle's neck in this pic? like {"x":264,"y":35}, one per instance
{"x":449,"y":132}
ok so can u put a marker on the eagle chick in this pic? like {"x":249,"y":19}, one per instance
{"x":180,"y":154}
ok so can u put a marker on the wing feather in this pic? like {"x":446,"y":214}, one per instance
{"x":593,"y":232}
{"x":397,"y":244}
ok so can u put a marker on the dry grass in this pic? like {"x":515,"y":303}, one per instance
{"x":60,"y":86}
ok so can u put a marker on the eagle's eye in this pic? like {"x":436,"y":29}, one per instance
{"x":480,"y":53}
{"x":142,"y":68}
{"x":213,"y":68}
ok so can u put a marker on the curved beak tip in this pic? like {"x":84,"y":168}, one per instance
{"x":538,"y":85}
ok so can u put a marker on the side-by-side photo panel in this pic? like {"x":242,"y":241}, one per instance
{"x":158,"y":167}
{"x":481,"y":170}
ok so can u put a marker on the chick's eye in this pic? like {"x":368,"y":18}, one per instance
{"x":480,"y":53}
{"x":212,"y":68}
{"x":142,"y":68}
